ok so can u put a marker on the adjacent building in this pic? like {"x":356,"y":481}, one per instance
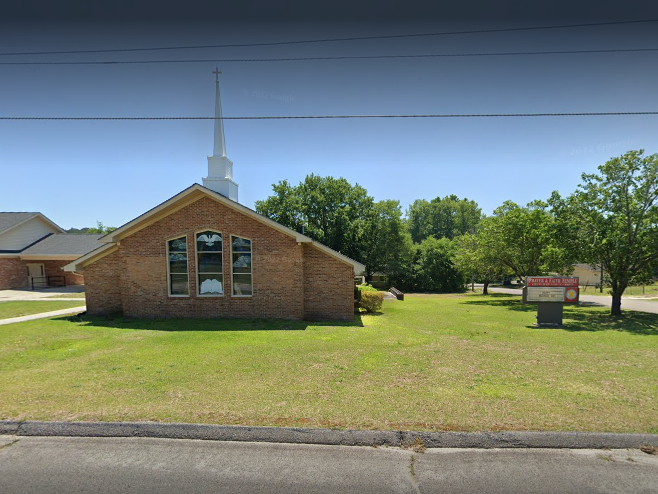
{"x":33,"y":251}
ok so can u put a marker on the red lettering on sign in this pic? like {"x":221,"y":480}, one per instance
{"x":552,"y":281}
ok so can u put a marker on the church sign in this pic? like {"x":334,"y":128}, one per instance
{"x":558,"y":289}
{"x":550,"y":293}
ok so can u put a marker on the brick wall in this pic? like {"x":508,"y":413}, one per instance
{"x":103,"y":285}
{"x":328,"y":286}
{"x":13,"y":274}
{"x":54,"y":268}
{"x":138,"y":271}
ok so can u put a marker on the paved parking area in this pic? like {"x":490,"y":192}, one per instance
{"x":40,"y":293}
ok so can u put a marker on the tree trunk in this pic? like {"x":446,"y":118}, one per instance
{"x":617,"y":291}
{"x":485,"y":288}
{"x":615,"y":310}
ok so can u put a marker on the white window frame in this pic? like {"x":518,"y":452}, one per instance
{"x":196,"y":266}
{"x":251,"y":251}
{"x":187,"y":255}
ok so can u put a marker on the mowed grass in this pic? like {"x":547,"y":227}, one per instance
{"x":26,"y":307}
{"x":648,"y":291}
{"x":455,"y":362}
{"x":69,"y":295}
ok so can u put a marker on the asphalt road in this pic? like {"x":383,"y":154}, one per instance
{"x":147,"y":465}
{"x":626,"y":303}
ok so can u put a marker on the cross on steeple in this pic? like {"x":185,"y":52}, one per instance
{"x":216,"y":72}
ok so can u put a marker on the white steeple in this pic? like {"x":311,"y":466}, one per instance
{"x":220,"y":168}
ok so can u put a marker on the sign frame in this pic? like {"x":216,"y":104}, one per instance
{"x":551,"y":290}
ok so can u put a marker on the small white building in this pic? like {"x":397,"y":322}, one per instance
{"x":588,"y":274}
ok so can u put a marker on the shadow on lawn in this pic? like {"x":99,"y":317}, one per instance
{"x":219,"y":324}
{"x":580,"y":318}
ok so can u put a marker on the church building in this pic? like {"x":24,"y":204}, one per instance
{"x":203,"y":254}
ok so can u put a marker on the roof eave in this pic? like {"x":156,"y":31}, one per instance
{"x":49,"y":257}
{"x":192,"y":194}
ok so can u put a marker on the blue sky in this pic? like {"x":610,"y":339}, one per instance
{"x":79,"y":172}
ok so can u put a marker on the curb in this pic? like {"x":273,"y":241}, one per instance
{"x":485,"y":440}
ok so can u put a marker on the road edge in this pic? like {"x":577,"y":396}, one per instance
{"x":334,"y":437}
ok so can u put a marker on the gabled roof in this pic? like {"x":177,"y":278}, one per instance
{"x":182,"y":199}
{"x":9,"y":220}
{"x":62,"y":246}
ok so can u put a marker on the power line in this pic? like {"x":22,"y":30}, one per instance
{"x":339,"y":57}
{"x":331,"y":40}
{"x":309,"y":117}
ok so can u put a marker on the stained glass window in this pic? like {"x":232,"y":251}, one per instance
{"x":209,"y":263}
{"x":177,"y":262}
{"x":241,"y":266}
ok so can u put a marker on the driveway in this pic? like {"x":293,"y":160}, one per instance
{"x":606,"y":301}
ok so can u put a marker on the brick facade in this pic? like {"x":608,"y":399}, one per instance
{"x":290,"y":280}
{"x":328,"y":285}
{"x":103,"y":294}
{"x":13,"y":272}
{"x":54,"y":268}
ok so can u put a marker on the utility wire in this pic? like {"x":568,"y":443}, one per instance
{"x":308,"y":117}
{"x":340,"y":57}
{"x":330,"y":40}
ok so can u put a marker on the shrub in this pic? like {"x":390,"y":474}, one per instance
{"x":358,"y":289}
{"x":371,"y":300}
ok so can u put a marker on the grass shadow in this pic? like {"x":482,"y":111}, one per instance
{"x":218,"y":324}
{"x":508,"y":301}
{"x":638,"y":323}
{"x":581,"y":318}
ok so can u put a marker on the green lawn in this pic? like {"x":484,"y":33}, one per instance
{"x":648,"y":291}
{"x":69,"y":295}
{"x":27,"y":307}
{"x":456,"y":362}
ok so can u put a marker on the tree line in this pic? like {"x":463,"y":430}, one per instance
{"x":610,"y":220}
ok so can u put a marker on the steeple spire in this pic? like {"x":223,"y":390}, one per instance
{"x":220,"y":143}
{"x":220,"y":168}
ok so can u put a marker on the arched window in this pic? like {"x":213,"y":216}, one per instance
{"x":177,"y":267}
{"x":210,"y":280}
{"x":241,"y":266}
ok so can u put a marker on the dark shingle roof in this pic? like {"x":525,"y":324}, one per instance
{"x":64,"y":244}
{"x":8,"y":220}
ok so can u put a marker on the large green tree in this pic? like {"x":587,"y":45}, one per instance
{"x":329,"y":210}
{"x":446,"y":217}
{"x":433,"y":268}
{"x":525,"y":240}
{"x":617,"y":217}
{"x":384,"y":241}
{"x":477,"y":261}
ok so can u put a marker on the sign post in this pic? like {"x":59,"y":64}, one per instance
{"x":550,"y":293}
